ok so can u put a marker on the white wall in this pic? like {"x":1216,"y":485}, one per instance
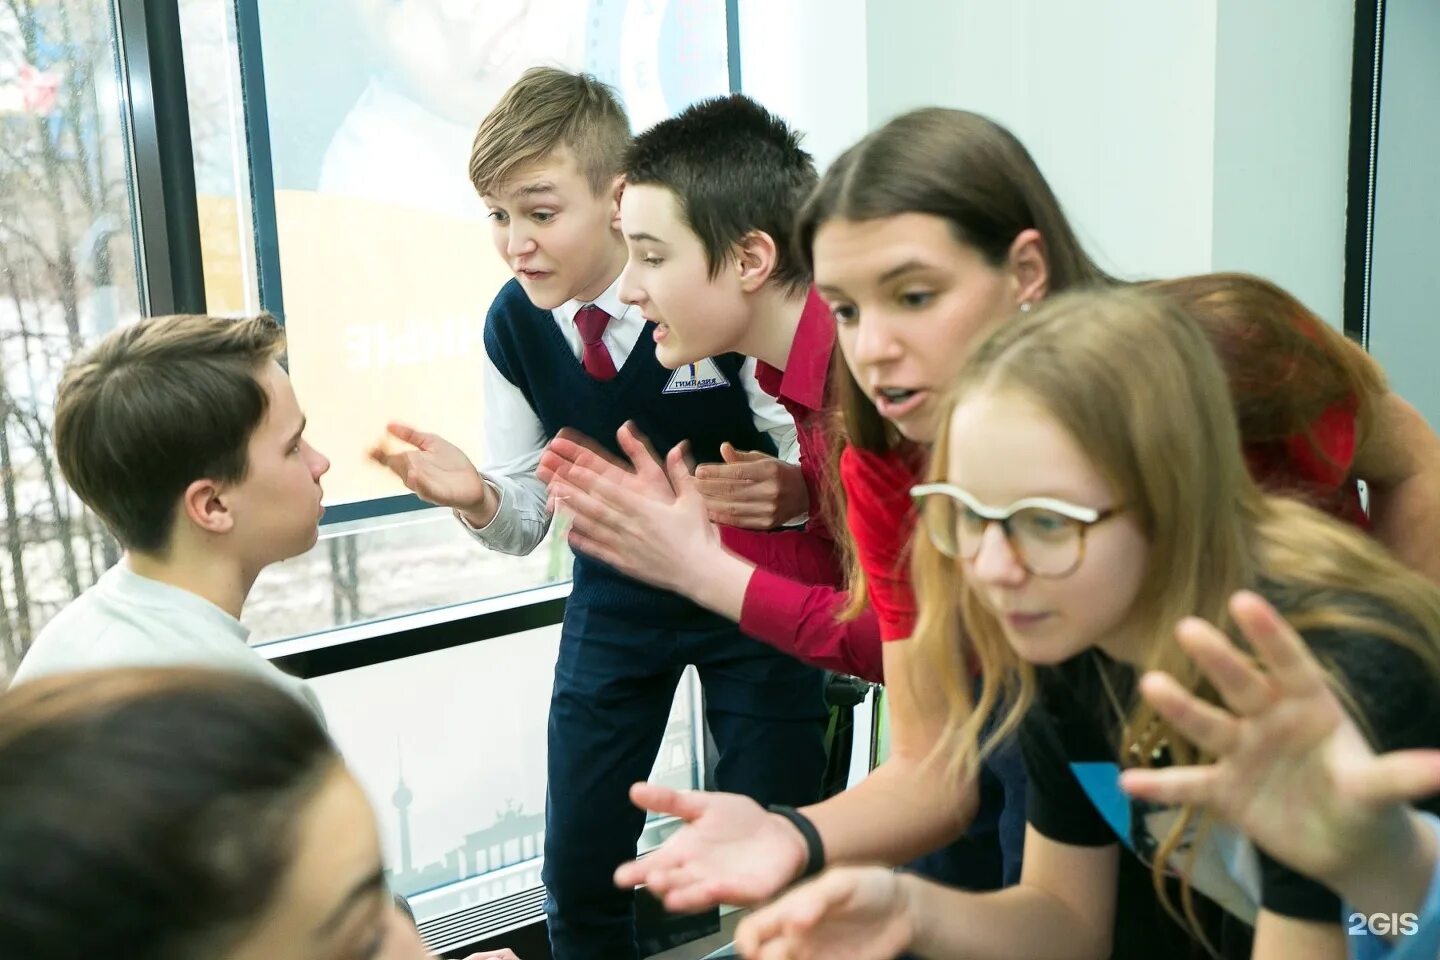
{"x":1180,"y":137}
{"x":1282,"y":122}
{"x":1111,"y":97}
{"x":805,"y":60}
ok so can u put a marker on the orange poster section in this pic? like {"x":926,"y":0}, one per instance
{"x":384,"y":313}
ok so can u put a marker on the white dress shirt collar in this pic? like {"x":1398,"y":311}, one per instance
{"x":609,"y":301}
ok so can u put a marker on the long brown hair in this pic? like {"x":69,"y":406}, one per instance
{"x":1133,"y":379}
{"x":974,"y":174}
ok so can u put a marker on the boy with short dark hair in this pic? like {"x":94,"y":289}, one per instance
{"x":563,"y":351}
{"x":708,"y":212}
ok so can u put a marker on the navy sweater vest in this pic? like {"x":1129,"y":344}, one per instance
{"x":528,"y":349}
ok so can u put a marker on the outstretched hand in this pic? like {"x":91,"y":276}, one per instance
{"x":1291,"y":770}
{"x":848,"y":913}
{"x":433,"y":468}
{"x":730,"y":850}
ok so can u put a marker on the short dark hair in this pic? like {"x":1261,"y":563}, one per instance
{"x":734,"y":167}
{"x":155,"y":406}
{"x":149,"y":814}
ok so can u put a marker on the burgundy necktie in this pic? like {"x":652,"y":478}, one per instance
{"x":596,"y":359}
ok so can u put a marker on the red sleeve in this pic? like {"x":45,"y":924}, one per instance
{"x":806,"y":555}
{"x":1324,"y":454}
{"x":881,"y":517}
{"x":1315,"y":465}
{"x":802,"y":621}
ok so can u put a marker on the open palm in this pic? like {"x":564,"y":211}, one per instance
{"x":1291,"y":769}
{"x":731,"y":851}
{"x":648,"y":520}
{"x":433,"y":468}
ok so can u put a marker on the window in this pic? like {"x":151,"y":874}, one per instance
{"x":332,"y":189}
{"x":361,"y":570}
{"x":67,"y":275}
{"x":450,"y":747}
{"x":324,"y":192}
{"x":368,"y":240}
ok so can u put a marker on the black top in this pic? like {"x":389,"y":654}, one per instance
{"x":1070,"y":743}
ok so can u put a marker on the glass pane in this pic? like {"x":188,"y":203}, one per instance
{"x":371,"y":569}
{"x":67,"y":275}
{"x":386,"y":262}
{"x":456,"y":770}
{"x":385,"y":257}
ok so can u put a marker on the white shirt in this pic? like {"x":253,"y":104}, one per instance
{"x":515,"y":438}
{"x":126,"y":620}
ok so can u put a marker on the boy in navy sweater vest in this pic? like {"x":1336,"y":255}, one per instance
{"x":564,"y":352}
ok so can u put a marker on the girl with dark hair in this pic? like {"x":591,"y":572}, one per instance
{"x":169,"y":814}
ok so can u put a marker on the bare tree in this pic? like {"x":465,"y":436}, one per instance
{"x":60,"y":199}
{"x":344,"y":579}
{"x":14,"y":541}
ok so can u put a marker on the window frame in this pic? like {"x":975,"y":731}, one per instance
{"x":155,"y":121}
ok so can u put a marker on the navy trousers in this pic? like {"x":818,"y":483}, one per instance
{"x":615,"y":681}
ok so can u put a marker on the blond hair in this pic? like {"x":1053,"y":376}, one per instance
{"x":1133,"y":379}
{"x":545,"y":111}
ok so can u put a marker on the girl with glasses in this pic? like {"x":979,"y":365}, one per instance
{"x":1088,"y":503}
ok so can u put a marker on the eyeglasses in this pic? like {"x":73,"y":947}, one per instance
{"x":1047,"y":535}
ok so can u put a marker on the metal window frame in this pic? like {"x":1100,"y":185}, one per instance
{"x":155,"y":116}
{"x":1365,"y":73}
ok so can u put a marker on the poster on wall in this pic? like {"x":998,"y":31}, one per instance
{"x":386,"y":259}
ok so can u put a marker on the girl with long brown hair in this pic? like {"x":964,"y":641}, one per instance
{"x":168,"y":813}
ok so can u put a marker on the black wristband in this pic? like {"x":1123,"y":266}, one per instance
{"x":814,"y":849}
